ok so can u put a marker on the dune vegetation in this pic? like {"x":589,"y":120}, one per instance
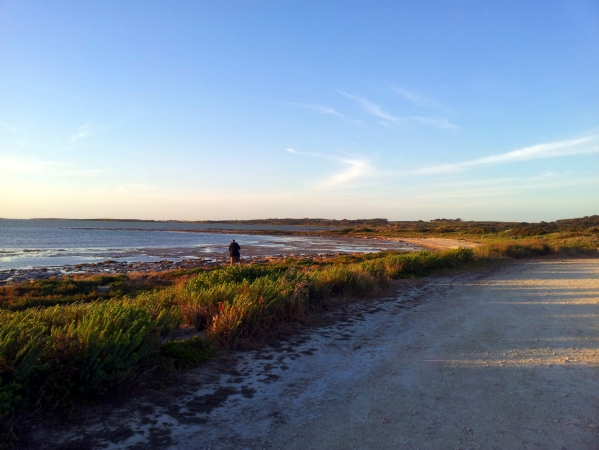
{"x":568,"y":233}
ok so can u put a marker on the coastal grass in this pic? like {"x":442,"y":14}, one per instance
{"x":53,"y":356}
{"x":530,"y":248}
{"x":54,"y":291}
{"x":84,"y":288}
{"x":235,"y":305}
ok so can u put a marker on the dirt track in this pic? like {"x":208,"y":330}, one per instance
{"x":501,"y":359}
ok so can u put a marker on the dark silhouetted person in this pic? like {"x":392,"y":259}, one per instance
{"x":234,"y":252}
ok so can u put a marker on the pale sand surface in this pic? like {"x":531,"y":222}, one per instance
{"x":504,"y":358}
{"x":440,"y":243}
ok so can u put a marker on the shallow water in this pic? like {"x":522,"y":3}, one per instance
{"x":40,"y":243}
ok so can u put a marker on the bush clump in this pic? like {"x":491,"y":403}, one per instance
{"x":53,"y":356}
{"x":54,"y":291}
{"x":522,"y":249}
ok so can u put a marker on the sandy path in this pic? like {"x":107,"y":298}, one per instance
{"x":503,"y":359}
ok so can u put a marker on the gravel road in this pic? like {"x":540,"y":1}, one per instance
{"x":506,"y":358}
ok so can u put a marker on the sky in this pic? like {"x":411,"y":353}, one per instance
{"x":206,"y":110}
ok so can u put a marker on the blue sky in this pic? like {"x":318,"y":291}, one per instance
{"x":339,"y":109}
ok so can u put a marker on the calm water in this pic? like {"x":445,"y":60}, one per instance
{"x":32,"y":243}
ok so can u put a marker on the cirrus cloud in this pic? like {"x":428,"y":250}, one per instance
{"x":353,"y":168}
{"x":584,"y":145}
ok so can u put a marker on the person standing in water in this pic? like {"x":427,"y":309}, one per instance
{"x":234,"y":252}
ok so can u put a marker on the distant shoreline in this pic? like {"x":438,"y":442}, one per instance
{"x":315,"y":221}
{"x":286,"y":221}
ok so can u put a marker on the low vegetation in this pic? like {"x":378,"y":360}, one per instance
{"x":580,"y":232}
{"x":84,"y":288}
{"x":54,"y":291}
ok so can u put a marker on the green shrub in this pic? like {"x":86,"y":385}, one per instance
{"x":55,"y":355}
{"x":234,"y":274}
{"x":524,"y":249}
{"x":256,"y":306}
{"x":23,"y":339}
{"x":199,"y":302}
{"x":101,"y":348}
{"x":343,"y":281}
{"x":50,"y":292}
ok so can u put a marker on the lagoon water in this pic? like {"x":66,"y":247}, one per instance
{"x":39,"y":243}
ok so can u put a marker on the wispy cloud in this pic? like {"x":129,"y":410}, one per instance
{"x":545,"y":175}
{"x":415,"y":98}
{"x":24,"y":165}
{"x":136,"y":188}
{"x":32,"y":166}
{"x":7,"y":126}
{"x":354,"y":168}
{"x":436,"y":122}
{"x":372,"y":108}
{"x":89,"y":128}
{"x":411,"y":96}
{"x":83,"y":172}
{"x":584,"y":145}
{"x":323,"y":110}
{"x":377,"y":110}
{"x":502,"y":187}
{"x":82,"y":132}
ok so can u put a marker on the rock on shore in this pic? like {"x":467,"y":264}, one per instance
{"x":111,"y":267}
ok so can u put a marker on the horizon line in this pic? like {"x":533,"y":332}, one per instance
{"x":289,"y":218}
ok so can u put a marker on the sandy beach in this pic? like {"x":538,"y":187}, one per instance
{"x":440,"y":243}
